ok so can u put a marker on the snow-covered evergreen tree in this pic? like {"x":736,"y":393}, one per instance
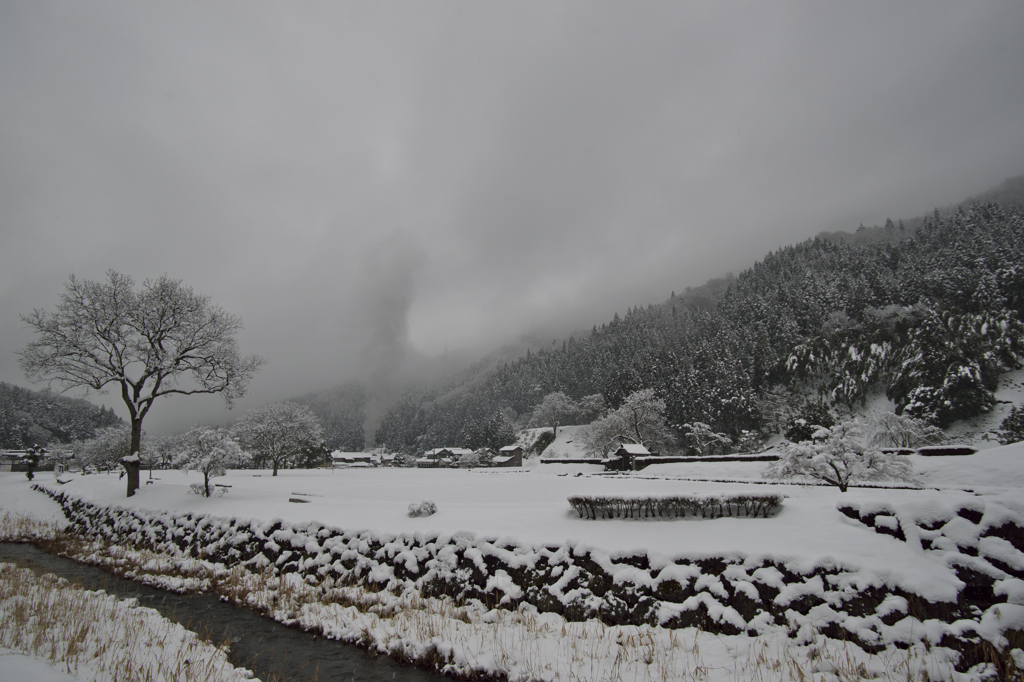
{"x":1012,"y":428}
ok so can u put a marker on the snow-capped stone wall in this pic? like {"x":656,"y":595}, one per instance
{"x":728,"y":595}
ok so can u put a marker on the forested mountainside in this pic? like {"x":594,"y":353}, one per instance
{"x":45,"y":418}
{"x":1007,"y":195}
{"x":931,"y":318}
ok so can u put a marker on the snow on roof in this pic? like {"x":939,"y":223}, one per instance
{"x":502,"y":460}
{"x":635,"y":449}
{"x":510,"y":448}
{"x":338,"y":454}
{"x":454,"y":451}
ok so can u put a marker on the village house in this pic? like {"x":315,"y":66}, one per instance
{"x":624,"y":459}
{"x":441,"y":458}
{"x":347,"y":460}
{"x":11,"y":460}
{"x":15,"y":460}
{"x":509,"y":456}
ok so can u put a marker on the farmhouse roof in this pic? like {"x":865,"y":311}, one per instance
{"x":338,"y":454}
{"x":635,"y":449}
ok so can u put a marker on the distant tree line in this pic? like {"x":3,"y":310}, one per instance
{"x":29,"y":418}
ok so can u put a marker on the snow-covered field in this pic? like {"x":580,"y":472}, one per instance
{"x":528,"y":508}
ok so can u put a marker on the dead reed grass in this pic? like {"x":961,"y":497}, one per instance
{"x":98,"y":636}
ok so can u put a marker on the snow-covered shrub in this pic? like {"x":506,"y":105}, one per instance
{"x":545,"y":439}
{"x":1012,"y":428}
{"x":749,"y":442}
{"x":811,"y":418}
{"x":424,"y":508}
{"x":676,"y":506}
{"x":702,"y":438}
{"x":209,"y":451}
{"x":837,"y":456}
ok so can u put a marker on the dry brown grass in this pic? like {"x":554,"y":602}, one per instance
{"x":100,"y":636}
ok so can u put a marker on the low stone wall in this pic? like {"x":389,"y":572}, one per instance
{"x":729,"y":595}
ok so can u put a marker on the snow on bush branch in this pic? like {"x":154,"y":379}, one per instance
{"x":424,"y":508}
{"x":837,"y":456}
{"x":209,"y":451}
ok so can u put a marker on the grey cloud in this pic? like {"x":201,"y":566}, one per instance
{"x":364,"y":181}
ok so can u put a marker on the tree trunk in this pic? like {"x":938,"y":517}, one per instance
{"x":133,"y":461}
{"x":275,"y":467}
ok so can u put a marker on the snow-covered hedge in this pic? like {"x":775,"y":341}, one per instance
{"x":678,"y":506}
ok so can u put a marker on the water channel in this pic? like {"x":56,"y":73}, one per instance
{"x":273,"y":652}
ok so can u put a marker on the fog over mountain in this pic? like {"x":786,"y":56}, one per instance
{"x":374,"y":186}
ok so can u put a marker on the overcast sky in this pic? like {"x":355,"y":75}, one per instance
{"x":355,"y":178}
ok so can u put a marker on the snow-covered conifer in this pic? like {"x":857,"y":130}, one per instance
{"x":1012,"y":428}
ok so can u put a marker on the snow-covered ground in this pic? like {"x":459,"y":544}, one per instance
{"x":528,"y":507}
{"x":567,"y":445}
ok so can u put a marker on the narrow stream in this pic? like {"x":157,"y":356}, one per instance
{"x":271,"y":650}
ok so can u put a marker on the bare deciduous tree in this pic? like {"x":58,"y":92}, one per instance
{"x":162,"y":340}
{"x":279,"y":432}
{"x":640,"y":420}
{"x":209,"y":451}
{"x":903,"y":431}
{"x":106,"y":449}
{"x":837,"y":456}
